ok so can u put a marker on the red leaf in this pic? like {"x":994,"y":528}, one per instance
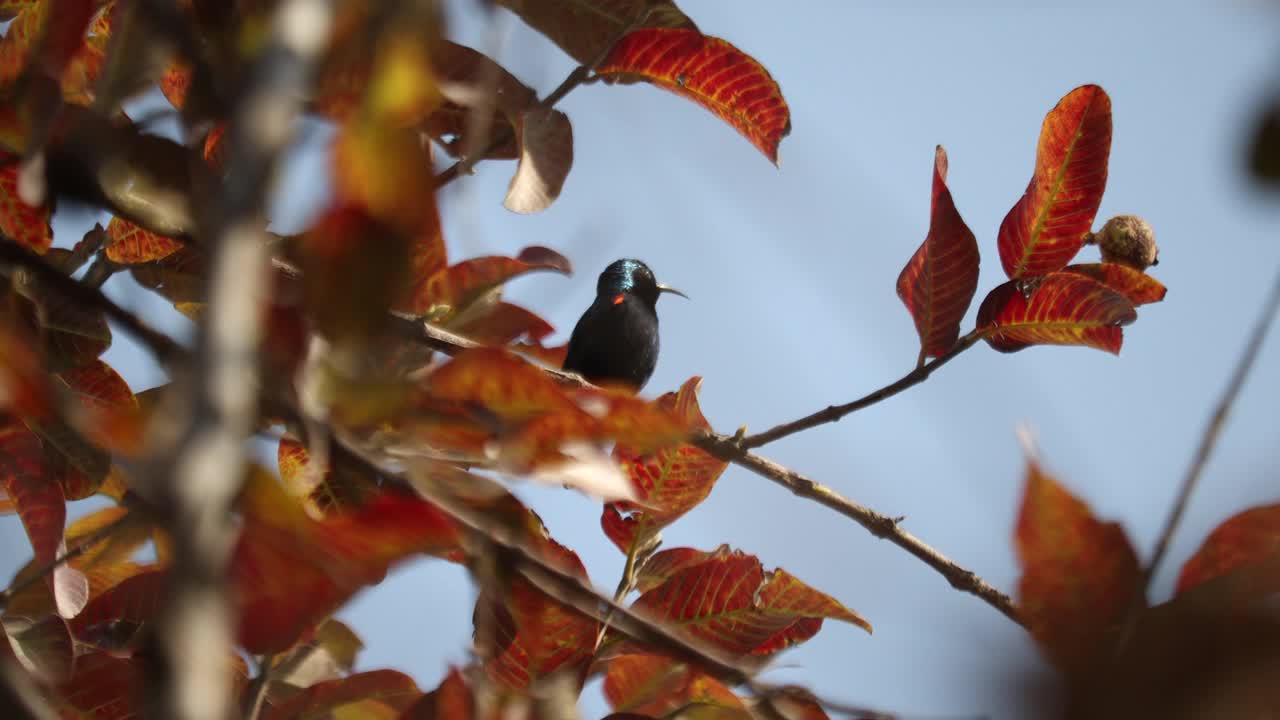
{"x":503,"y":325}
{"x":289,"y":571}
{"x":1047,"y":227}
{"x":450,"y":291}
{"x":64,"y":34}
{"x":451,"y":701}
{"x":1139,"y":287}
{"x":28,"y":226}
{"x":322,"y":490}
{"x":1246,"y":538}
{"x":668,"y":483}
{"x":1079,"y":575}
{"x":40,"y":504}
{"x":19,"y":38}
{"x":534,"y":636}
{"x":318,"y":701}
{"x":105,"y":687}
{"x":939,"y":281}
{"x":113,"y":618}
{"x":130,"y":244}
{"x":729,"y":601}
{"x":712,"y":73}
{"x":656,"y":686}
{"x":1057,"y":309}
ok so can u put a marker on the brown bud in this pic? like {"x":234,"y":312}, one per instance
{"x":1127,"y":240}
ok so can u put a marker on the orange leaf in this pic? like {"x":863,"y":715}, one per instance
{"x":585,"y":29}
{"x":451,"y":701}
{"x":289,"y":571}
{"x":175,"y":83}
{"x":386,"y":172}
{"x":1057,"y":309}
{"x":28,"y":226}
{"x":1245,"y":538}
{"x":323,"y":491}
{"x":656,"y":686}
{"x":387,"y":686}
{"x":712,"y":73}
{"x":1139,"y":287}
{"x":729,"y":601}
{"x":1047,"y":227}
{"x":452,"y":290}
{"x":1079,"y":574}
{"x":130,"y":244}
{"x":121,"y":544}
{"x":107,"y":413}
{"x":215,"y":150}
{"x":939,"y":281}
{"x":21,"y":35}
{"x":504,"y":324}
{"x":668,"y":483}
{"x":505,"y":384}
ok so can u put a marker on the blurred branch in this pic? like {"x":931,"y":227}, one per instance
{"x":256,"y":694}
{"x":1208,"y":441}
{"x":836,"y":412}
{"x":19,"y":697}
{"x":200,"y":476}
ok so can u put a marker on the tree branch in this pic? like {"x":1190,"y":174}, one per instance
{"x":882,"y":526}
{"x":836,"y":412}
{"x":200,"y":476}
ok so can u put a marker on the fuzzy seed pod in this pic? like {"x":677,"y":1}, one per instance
{"x":1127,"y":240}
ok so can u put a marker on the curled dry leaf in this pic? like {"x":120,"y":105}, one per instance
{"x":1060,"y":308}
{"x":1048,"y":225}
{"x":712,"y":73}
{"x":939,"y":281}
{"x":546,"y":155}
{"x":584,"y":29}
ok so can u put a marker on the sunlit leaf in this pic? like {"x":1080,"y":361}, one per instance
{"x":1139,"y":287}
{"x":316,"y":702}
{"x":584,"y":28}
{"x":1058,"y":309}
{"x":132,"y":244}
{"x":289,"y":571}
{"x":504,"y":384}
{"x":668,"y":483}
{"x":730,"y":602}
{"x":450,"y":291}
{"x":120,"y":544}
{"x":28,"y":226}
{"x":1047,"y":227}
{"x":323,"y":489}
{"x":329,"y":654}
{"x":385,"y":172}
{"x":546,"y":156}
{"x":1079,"y":575}
{"x":20,"y":38}
{"x":656,"y":685}
{"x":939,"y":281}
{"x":711,"y":72}
{"x":1245,"y":538}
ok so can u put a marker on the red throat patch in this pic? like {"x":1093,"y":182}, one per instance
{"x":617,"y":299}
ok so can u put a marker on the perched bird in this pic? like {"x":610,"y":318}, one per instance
{"x":616,"y":339}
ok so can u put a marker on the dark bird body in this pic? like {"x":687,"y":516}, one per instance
{"x":616,"y":339}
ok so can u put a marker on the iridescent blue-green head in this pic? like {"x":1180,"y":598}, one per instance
{"x":634,"y":278}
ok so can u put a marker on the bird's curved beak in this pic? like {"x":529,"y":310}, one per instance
{"x":668,"y":289}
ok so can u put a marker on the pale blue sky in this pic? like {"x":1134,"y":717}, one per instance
{"x":792,"y":275}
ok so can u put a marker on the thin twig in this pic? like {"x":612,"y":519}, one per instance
{"x":67,"y":556}
{"x":1209,"y":440}
{"x":836,"y":412}
{"x":882,"y":526}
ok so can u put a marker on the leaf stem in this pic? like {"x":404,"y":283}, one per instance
{"x":257,"y":691}
{"x":836,"y":412}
